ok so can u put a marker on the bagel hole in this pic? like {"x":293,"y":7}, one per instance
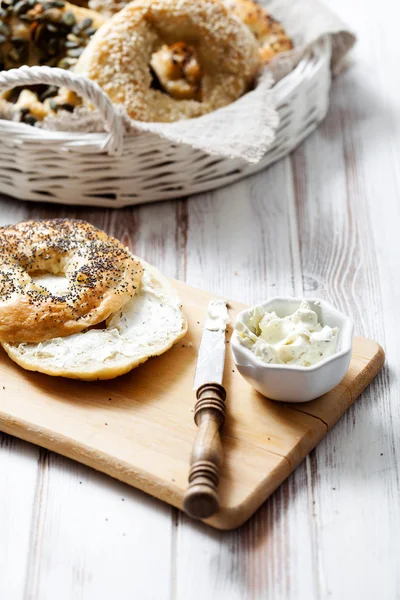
{"x":55,"y":283}
{"x":176,"y":71}
{"x":101,"y":325}
{"x":155,"y":82}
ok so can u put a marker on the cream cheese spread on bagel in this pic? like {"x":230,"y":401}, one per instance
{"x":147,"y":325}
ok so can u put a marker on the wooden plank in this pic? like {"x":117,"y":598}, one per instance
{"x":19,"y":475}
{"x":91,"y":533}
{"x":92,"y":538}
{"x":348,"y":208}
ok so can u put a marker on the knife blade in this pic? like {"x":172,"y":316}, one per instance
{"x":211,"y":357}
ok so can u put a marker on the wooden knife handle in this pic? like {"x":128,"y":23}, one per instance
{"x":201,"y":499}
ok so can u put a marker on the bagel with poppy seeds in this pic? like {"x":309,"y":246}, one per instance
{"x":146,"y":326}
{"x":97,"y":277}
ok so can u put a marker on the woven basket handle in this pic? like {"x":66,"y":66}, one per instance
{"x":77,"y":83}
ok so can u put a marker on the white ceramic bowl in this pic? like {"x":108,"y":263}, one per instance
{"x":288,"y":383}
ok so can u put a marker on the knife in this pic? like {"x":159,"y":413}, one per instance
{"x":201,"y":499}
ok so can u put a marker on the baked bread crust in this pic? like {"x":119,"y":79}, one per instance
{"x":119,"y":55}
{"x":102,"y":276}
{"x":271,"y":36}
{"x":118,"y":348}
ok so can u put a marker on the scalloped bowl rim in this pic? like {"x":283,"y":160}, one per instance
{"x":344,"y":322}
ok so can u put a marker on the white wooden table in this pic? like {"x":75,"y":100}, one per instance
{"x":323,"y":222}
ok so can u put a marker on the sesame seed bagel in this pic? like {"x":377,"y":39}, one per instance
{"x":119,"y":56}
{"x":100,"y":277}
{"x":271,"y":36}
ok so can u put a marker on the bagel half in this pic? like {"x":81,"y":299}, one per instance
{"x":148,"y":325}
{"x":101,"y":277}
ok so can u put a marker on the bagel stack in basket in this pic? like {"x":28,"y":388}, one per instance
{"x":75,"y":303}
{"x":161,"y":60}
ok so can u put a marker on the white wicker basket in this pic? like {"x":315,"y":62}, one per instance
{"x":119,"y":170}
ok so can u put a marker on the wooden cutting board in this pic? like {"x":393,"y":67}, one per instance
{"x":139,"y":428}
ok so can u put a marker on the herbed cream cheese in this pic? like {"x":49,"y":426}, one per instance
{"x":217,"y":316}
{"x":298,"y":339}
